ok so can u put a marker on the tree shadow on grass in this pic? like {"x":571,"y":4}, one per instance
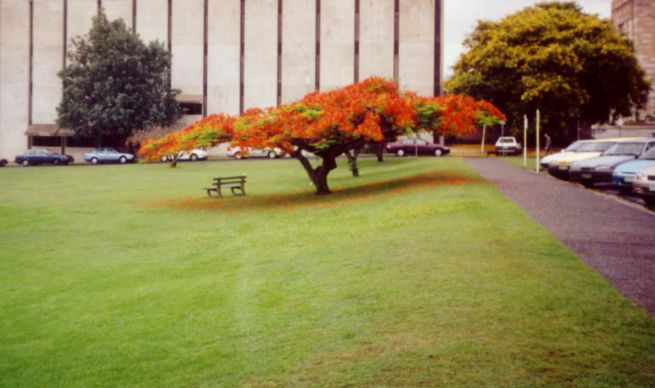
{"x":304,"y":198}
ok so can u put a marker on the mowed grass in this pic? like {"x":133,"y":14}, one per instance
{"x":419,"y":272}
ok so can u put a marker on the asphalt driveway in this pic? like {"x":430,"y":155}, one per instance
{"x":615,"y":239}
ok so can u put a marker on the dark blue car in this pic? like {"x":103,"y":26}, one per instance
{"x":35,"y":157}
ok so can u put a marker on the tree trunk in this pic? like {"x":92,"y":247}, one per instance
{"x":352,"y":161}
{"x":318,"y":175}
{"x":174,"y":161}
{"x":484,"y":133}
{"x":379,"y":151}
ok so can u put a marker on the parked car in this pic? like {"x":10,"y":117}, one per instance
{"x":624,"y":174}
{"x":560,"y":167}
{"x":107,"y":155}
{"x":600,"y":169}
{"x":271,"y":153}
{"x":547,"y":160}
{"x":507,"y":145}
{"x":644,"y":185}
{"x":3,"y":162}
{"x":40,"y":156}
{"x":420,"y":146}
{"x":193,"y":155}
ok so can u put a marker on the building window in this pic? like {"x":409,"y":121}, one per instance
{"x":191,"y":108}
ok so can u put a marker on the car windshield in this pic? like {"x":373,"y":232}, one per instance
{"x":650,"y":155}
{"x":625,"y":149}
{"x":574,"y":147}
{"x":595,"y":146}
{"x":506,"y":140}
{"x":110,"y":150}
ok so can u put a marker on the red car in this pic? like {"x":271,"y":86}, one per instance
{"x":420,"y":146}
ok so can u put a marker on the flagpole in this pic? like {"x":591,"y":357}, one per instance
{"x":525,"y":141}
{"x":538,"y":148}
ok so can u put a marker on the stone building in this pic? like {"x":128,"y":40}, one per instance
{"x":227,"y":55}
{"x":636,"y":19}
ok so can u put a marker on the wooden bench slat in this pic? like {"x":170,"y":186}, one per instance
{"x":234,"y":183}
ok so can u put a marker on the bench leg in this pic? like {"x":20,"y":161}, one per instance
{"x":242,"y":191}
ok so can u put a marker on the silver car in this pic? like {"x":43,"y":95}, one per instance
{"x":271,"y":153}
{"x":107,"y":155}
{"x":644,"y":185}
{"x":600,"y":169}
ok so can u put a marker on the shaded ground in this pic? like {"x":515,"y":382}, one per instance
{"x":616,"y":240}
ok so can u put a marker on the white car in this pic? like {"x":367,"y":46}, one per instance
{"x":507,"y":145}
{"x":547,"y":160}
{"x":271,"y":153}
{"x":193,"y":155}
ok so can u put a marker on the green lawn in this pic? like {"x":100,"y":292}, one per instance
{"x":419,"y":272}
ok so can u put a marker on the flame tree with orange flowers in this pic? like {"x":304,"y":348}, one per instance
{"x":329,"y":124}
{"x":207,"y":132}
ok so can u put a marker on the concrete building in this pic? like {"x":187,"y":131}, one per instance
{"x":636,"y":19}
{"x":227,"y":55}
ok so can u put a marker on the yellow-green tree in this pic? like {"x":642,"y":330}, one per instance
{"x":573,"y":66}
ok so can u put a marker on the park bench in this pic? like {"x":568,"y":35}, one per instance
{"x":234,"y":183}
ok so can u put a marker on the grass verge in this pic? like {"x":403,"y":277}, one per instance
{"x":419,"y":272}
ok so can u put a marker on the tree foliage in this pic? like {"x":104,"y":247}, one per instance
{"x":329,"y":124}
{"x":551,"y":56}
{"x":114,"y":84}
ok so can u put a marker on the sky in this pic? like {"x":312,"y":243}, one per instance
{"x":461,"y":16}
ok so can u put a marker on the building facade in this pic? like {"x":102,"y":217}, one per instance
{"x":636,"y":20}
{"x":227,"y":55}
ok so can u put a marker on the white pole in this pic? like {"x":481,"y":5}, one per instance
{"x":538,"y":148}
{"x":484,"y":132}
{"x":525,"y":141}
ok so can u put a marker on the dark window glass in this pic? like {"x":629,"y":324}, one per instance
{"x":191,"y":108}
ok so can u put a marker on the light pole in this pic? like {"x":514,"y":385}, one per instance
{"x":502,"y":128}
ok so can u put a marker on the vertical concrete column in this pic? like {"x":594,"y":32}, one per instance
{"x":187,"y":46}
{"x":152,"y":20}
{"x":260,"y":69}
{"x":376,"y":38}
{"x":14,"y":76}
{"x":223,"y":57}
{"x":298,"y":49}
{"x":47,"y":59}
{"x":417,"y":26}
{"x":337,"y":43}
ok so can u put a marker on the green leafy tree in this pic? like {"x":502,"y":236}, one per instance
{"x":115,"y":84}
{"x":575,"y":67}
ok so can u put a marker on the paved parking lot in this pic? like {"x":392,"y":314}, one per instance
{"x":614,"y":238}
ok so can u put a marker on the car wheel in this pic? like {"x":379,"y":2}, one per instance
{"x":25,"y":163}
{"x":438,"y":152}
{"x":272,"y":155}
{"x":56,"y":162}
{"x":650,"y":201}
{"x":193,"y":157}
{"x":94,"y":160}
{"x":400,"y":153}
{"x":122,"y":160}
